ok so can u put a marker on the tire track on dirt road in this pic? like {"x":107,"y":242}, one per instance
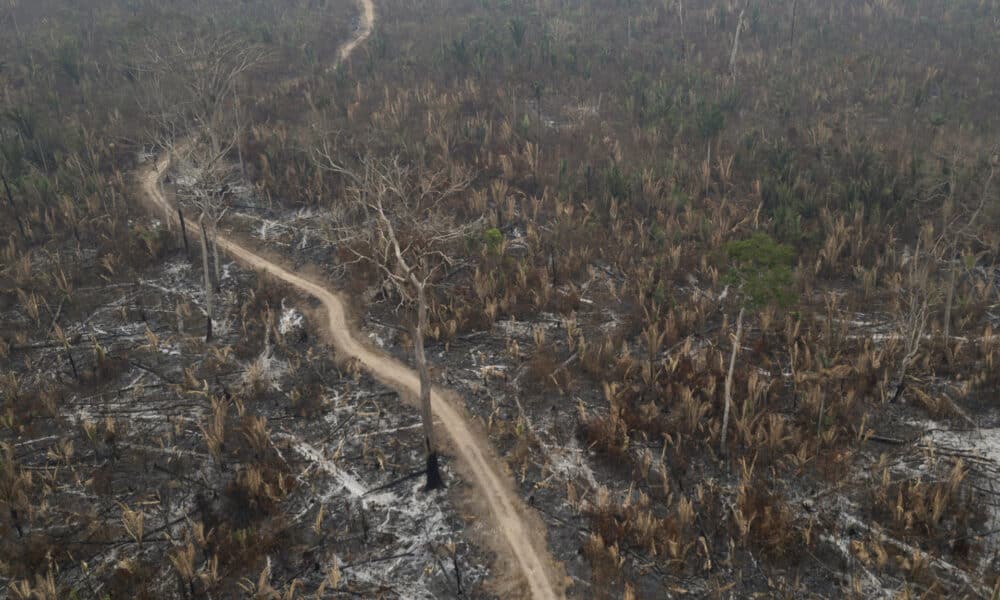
{"x":518,"y":535}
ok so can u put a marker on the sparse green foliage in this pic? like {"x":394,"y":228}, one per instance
{"x":760,"y":269}
{"x":493,"y":239}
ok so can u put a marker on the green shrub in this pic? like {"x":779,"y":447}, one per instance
{"x":761,"y":269}
{"x":492,"y":239}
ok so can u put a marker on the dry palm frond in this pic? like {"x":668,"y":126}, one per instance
{"x":182,"y":559}
{"x":134,"y":523}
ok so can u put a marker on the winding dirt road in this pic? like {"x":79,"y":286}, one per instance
{"x":515,"y":533}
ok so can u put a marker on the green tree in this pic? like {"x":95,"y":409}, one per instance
{"x":493,"y":239}
{"x":762,"y":270}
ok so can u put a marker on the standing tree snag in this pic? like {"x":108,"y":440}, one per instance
{"x":208,"y":279}
{"x":212,"y":179}
{"x":922,"y":287}
{"x":791,"y":36}
{"x":13,"y":207}
{"x":729,"y":380}
{"x":192,"y":90}
{"x":393,"y":212}
{"x":205,"y":192}
{"x":736,"y":40}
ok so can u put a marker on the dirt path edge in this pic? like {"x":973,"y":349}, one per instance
{"x":514,"y":532}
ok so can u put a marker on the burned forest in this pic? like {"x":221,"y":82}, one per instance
{"x":520,"y":299}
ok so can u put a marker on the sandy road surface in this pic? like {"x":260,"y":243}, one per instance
{"x":516,"y":533}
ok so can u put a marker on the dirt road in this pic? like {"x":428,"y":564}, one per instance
{"x":516,"y":533}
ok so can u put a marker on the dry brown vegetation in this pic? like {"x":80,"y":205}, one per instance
{"x":620,"y":160}
{"x":137,"y":459}
{"x":635,"y":184}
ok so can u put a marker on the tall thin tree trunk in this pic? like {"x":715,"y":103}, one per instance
{"x":538,"y":130}
{"x":514,"y":103}
{"x":736,"y":41}
{"x":184,"y":233}
{"x":215,"y":256}
{"x":791,"y":37}
{"x":949,"y":298}
{"x":684,"y":43}
{"x":72,"y":363}
{"x":433,"y":473}
{"x":208,"y":278}
{"x":13,"y":206}
{"x":729,"y":380}
{"x":13,"y":20}
{"x":239,"y":137}
{"x":166,"y":208}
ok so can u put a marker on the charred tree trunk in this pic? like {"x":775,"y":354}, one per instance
{"x":13,"y":206}
{"x":184,"y":233}
{"x":72,"y":364}
{"x":434,"y":480}
{"x":949,"y":299}
{"x":215,"y":256}
{"x":208,"y":278}
{"x":239,"y":138}
{"x":729,"y":380}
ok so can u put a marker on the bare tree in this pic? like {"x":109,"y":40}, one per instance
{"x":209,"y":292}
{"x":211,"y":179}
{"x":923,"y":287}
{"x":916,"y":300}
{"x":393,"y":212}
{"x":791,"y":35}
{"x":729,"y":381}
{"x":13,"y":206}
{"x":680,"y":18}
{"x":736,"y":39}
{"x":12,"y":13}
{"x":193,"y":86}
{"x":206,"y":191}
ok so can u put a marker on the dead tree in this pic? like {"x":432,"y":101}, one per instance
{"x":204,"y":191}
{"x":791,"y":35}
{"x":208,"y":190}
{"x":923,"y":286}
{"x":393,"y":214}
{"x":13,"y":207}
{"x":729,"y":381}
{"x":12,"y":13}
{"x":193,"y":90}
{"x":736,"y":39}
{"x":193,"y":86}
{"x":680,"y":18}
{"x":916,"y":301}
{"x":209,"y":292}
{"x":960,"y":229}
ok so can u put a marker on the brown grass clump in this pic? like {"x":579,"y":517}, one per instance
{"x":606,"y":562}
{"x":606,"y":433}
{"x":762,"y":518}
{"x":935,"y":511}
